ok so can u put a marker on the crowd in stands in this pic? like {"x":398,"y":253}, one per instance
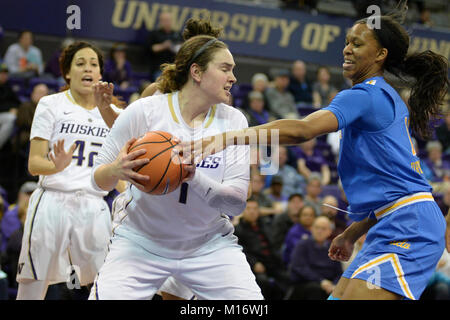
{"x":291,"y":216}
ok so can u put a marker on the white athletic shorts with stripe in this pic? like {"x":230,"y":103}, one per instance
{"x":64,"y":232}
{"x":132,"y":273}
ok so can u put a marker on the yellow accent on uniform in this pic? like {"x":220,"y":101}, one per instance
{"x":417,"y":197}
{"x":172,"y":110}
{"x":393,"y":258}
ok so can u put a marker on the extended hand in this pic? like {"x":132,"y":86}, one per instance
{"x":60,"y":157}
{"x":103,"y":93}
{"x":192,"y":152}
{"x":341,"y":249}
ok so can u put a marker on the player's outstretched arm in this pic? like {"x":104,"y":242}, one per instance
{"x":39,"y":164}
{"x":103,"y":93}
{"x":284,"y":131}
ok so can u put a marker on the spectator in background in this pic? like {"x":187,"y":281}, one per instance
{"x":313,"y":191}
{"x":11,"y":220}
{"x":293,"y":182}
{"x":444,"y":204}
{"x":298,"y":85}
{"x":12,"y":231}
{"x":338,"y":219}
{"x":256,"y":113}
{"x":254,"y":237}
{"x":22,"y":58}
{"x":9,"y":102}
{"x":25,"y":116}
{"x":434,"y":160}
{"x":164,"y":43}
{"x":310,"y":159}
{"x":281,"y":101}
{"x":323,"y":91}
{"x":283,"y":222}
{"x":304,"y":5}
{"x":136,"y":95}
{"x":443,"y":131}
{"x":117,"y":68}
{"x":300,"y":230}
{"x":438,"y":287}
{"x":425,"y":18}
{"x":260,"y":83}
{"x":279,"y":200}
{"x":52,"y":66}
{"x":266,"y":207}
{"x":313,"y":272}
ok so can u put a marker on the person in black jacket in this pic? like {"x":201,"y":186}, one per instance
{"x":254,"y":238}
{"x":9,"y":102}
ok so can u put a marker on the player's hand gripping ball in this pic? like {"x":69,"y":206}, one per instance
{"x":164,"y":169}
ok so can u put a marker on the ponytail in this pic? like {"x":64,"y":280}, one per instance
{"x":429,"y":85}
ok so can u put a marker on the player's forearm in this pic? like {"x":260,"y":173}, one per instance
{"x":108,"y":115}
{"x":284,"y":132}
{"x":38,"y":165}
{"x":357,"y":229}
{"x":105,"y":177}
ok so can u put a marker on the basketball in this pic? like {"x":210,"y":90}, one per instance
{"x":165,"y":175}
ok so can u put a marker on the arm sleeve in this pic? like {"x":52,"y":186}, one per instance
{"x":350,"y":105}
{"x":230,"y":196}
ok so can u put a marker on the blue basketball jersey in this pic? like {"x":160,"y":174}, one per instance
{"x":377,"y":160}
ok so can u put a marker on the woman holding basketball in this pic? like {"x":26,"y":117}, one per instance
{"x":186,"y":233}
{"x":379,"y":168}
{"x":68,"y":223}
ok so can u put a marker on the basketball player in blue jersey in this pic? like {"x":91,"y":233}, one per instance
{"x":388,"y":195}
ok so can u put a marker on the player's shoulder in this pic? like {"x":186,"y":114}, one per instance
{"x":370,"y":86}
{"x":225,"y":110}
{"x":56,"y":101}
{"x":59,"y":96}
{"x":147,"y":106}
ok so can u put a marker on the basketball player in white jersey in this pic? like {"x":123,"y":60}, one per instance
{"x":171,"y":288}
{"x":187,"y":233}
{"x":68,"y":224}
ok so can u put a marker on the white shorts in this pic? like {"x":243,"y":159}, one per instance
{"x":171,"y":285}
{"x":64,"y":232}
{"x":176,"y":288}
{"x":132,"y":273}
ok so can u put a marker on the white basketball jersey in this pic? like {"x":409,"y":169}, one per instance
{"x":180,"y":221}
{"x":58,"y":117}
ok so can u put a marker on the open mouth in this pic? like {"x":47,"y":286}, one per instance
{"x":87,"y":80}
{"x":348,"y":63}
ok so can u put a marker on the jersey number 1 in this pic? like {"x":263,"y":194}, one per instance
{"x":183,"y":193}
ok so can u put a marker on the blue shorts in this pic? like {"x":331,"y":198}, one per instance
{"x":402,"y":250}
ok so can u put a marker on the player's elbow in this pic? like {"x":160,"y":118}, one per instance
{"x":32,"y":168}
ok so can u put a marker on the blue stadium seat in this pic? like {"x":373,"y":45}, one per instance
{"x":52,"y":84}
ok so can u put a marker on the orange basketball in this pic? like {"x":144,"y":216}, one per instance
{"x":165,"y":175}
